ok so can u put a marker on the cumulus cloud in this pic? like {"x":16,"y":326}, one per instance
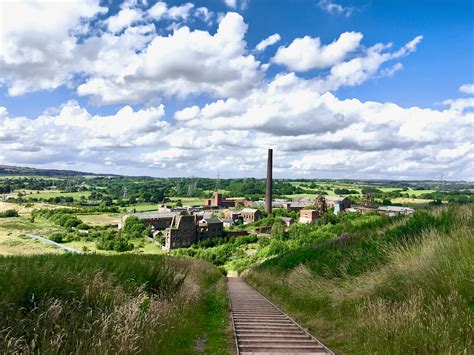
{"x":127,"y":58}
{"x":313,"y":134}
{"x":73,"y":134}
{"x":269,"y":41}
{"x":46,"y":44}
{"x":307,"y":53}
{"x":123,"y":19}
{"x":237,"y":4}
{"x":161,"y":10}
{"x":186,"y":62}
{"x":318,"y":133}
{"x":38,"y":48}
{"x":467,"y":89}
{"x":359,"y":69}
{"x":331,"y":7}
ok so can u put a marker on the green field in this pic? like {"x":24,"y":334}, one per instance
{"x":142,"y":207}
{"x":188,"y":201}
{"x":410,"y":201}
{"x":52,"y":194}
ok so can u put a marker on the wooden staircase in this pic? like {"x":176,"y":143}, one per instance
{"x":261,"y":328}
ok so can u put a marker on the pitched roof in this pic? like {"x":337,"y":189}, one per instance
{"x":212,"y":220}
{"x":146,"y":215}
{"x":334,"y":198}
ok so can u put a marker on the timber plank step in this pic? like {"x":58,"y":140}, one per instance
{"x":260,"y":328}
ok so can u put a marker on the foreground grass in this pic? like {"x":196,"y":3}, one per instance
{"x":111,"y":304}
{"x":405,"y":289}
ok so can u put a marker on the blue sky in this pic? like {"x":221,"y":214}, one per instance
{"x":413,"y":59}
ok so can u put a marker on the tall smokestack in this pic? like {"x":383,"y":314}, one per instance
{"x":268,"y":194}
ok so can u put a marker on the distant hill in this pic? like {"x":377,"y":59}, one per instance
{"x":20,"y":170}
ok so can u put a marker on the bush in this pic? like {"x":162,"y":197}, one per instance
{"x":57,"y":237}
{"x":276,"y":247}
{"x":83,"y":226}
{"x":134,"y":228}
{"x":112,"y":240}
{"x":9,"y":213}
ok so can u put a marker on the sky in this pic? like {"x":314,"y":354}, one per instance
{"x":353,"y":89}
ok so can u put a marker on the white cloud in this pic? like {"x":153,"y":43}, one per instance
{"x":127,"y":60}
{"x":186,"y":62}
{"x":231,"y":3}
{"x":123,"y":19}
{"x":206,"y":15}
{"x":359,"y":69}
{"x":333,"y":8}
{"x":45,"y":44}
{"x":74,"y":134}
{"x":269,"y":41}
{"x":237,"y":4}
{"x":467,"y":89}
{"x":158,"y":10}
{"x":459,"y":104}
{"x":38,"y":46}
{"x":161,"y":10}
{"x":313,"y":134}
{"x":307,"y":53}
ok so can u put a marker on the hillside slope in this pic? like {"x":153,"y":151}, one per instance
{"x":60,"y":304}
{"x":406,"y":288}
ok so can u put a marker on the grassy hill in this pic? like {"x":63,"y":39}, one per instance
{"x":403,"y":288}
{"x":111,"y":304}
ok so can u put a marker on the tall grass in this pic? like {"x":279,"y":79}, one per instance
{"x":96,"y":304}
{"x":405,"y":289}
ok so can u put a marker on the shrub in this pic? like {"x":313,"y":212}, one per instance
{"x":57,"y":237}
{"x":9,"y":213}
{"x":83,"y":226}
{"x":112,"y":240}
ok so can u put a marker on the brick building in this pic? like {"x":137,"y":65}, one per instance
{"x":250,"y":215}
{"x":157,"y":220}
{"x":343,"y":202}
{"x":182,"y":233}
{"x":291,"y":206}
{"x":210,"y":227}
{"x":218,"y":200}
{"x":308,"y":216}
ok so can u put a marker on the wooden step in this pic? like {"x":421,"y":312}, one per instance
{"x":261,"y":328}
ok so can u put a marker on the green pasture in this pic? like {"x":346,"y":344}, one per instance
{"x":52,"y":194}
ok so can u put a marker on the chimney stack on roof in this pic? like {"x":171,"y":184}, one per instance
{"x":268,"y":194}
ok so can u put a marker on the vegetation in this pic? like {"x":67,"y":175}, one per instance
{"x":405,"y":280}
{"x":114,"y":304}
{"x":408,"y":284}
{"x":9,"y":213}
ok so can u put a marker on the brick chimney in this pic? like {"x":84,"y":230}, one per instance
{"x":268,"y":193}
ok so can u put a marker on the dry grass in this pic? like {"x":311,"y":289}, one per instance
{"x":13,"y":241}
{"x":95,"y":304}
{"x":100,"y":219}
{"x":419,"y":302}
